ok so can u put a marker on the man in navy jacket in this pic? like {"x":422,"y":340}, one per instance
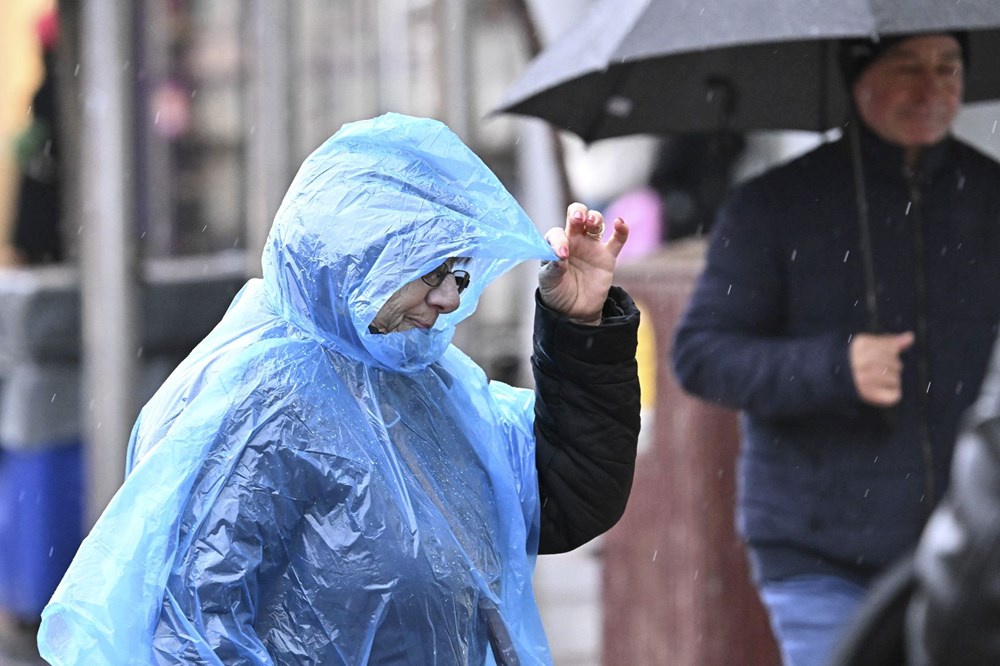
{"x":851,"y":375}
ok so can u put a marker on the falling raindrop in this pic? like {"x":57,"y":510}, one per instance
{"x":867,"y":490}
{"x":846,"y":255}
{"x":53,"y":398}
{"x":654,"y":554}
{"x":958,"y":388}
{"x":730,"y":290}
{"x":928,"y":387}
{"x":908,"y":204}
{"x":794,"y":252}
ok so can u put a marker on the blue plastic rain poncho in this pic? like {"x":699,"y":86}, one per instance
{"x":301,"y":491}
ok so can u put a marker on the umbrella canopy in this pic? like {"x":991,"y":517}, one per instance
{"x":663,"y":66}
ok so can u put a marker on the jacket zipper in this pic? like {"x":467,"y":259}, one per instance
{"x":923,"y":374}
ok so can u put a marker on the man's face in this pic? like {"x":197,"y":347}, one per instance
{"x":910,"y":95}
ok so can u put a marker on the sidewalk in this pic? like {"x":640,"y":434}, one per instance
{"x":17,"y":643}
{"x":568,"y":589}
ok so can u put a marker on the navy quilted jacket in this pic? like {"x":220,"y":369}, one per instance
{"x":825,"y":481}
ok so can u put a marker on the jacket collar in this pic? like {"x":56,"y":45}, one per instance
{"x":886,"y":159}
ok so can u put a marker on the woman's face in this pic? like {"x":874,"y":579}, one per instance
{"x":418,"y":303}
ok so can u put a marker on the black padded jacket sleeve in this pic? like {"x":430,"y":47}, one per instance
{"x":586,"y":420}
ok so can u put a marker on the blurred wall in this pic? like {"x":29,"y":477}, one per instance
{"x":20,"y":73}
{"x":979,"y":124}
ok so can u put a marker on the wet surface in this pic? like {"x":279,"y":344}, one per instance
{"x":17,"y":642}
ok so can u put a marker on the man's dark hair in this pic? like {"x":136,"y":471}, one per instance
{"x":857,"y":54}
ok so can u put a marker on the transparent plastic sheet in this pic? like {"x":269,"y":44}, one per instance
{"x":302,"y":491}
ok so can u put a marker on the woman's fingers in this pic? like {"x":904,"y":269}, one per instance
{"x":576,"y":217}
{"x":618,"y":238}
{"x":558,"y":241}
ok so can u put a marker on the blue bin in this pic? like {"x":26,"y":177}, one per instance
{"x":40,"y":519}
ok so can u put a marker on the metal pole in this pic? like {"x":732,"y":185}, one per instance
{"x":456,"y":57}
{"x":107,"y":260}
{"x":269,"y":152}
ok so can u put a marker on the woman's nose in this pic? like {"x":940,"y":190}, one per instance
{"x":445,"y":296}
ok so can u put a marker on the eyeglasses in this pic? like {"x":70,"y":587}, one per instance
{"x":437,"y":276}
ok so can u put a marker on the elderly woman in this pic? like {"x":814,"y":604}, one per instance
{"x":326,"y":479}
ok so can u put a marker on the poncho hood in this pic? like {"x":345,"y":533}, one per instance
{"x":378,"y":205}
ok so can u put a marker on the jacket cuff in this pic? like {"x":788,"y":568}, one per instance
{"x":565,"y":343}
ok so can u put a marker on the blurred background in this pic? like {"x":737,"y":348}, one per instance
{"x":144,"y":148}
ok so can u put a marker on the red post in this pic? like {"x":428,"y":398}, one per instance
{"x":676,"y":583}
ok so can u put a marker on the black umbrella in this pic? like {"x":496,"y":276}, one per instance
{"x":663,"y":66}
